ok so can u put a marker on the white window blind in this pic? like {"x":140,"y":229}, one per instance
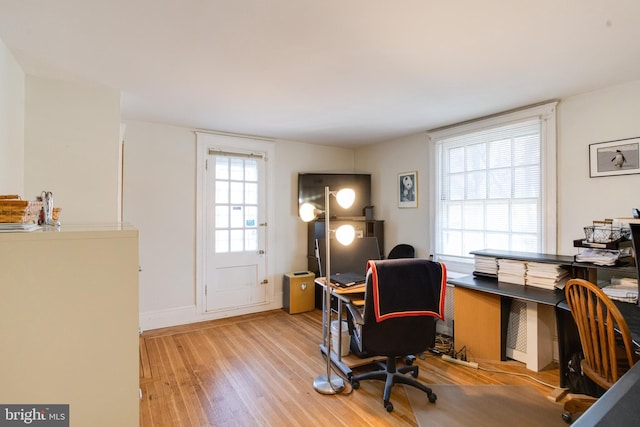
{"x":491,"y":185}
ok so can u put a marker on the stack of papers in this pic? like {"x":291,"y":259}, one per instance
{"x":622,"y":290}
{"x":548,"y":276}
{"x":512,"y":271}
{"x":485,"y":265}
{"x":598,"y":256}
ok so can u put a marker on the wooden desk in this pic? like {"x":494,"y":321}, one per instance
{"x":482,"y":305}
{"x":354,"y":295}
{"x":481,"y":318}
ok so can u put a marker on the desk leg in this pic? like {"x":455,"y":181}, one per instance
{"x":336,"y":353}
{"x":339,"y":339}
{"x":540,"y":326}
{"x":324,"y":317}
{"x":337,"y":362}
{"x":479,"y":323}
{"x":568,"y":341}
{"x":505,"y":311}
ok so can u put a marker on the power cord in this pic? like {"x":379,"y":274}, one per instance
{"x":461,"y":355}
{"x":348,"y":388}
{"x":498,"y":371}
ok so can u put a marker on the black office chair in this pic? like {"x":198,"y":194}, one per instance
{"x":403,"y":297}
{"x":402,"y":250}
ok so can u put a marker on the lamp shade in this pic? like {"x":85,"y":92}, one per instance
{"x":345,"y":234}
{"x":346,"y":197}
{"x":307,"y":212}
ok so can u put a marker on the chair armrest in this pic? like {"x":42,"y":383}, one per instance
{"x":355,"y":313}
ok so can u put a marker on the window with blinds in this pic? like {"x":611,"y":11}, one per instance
{"x":490,"y":186}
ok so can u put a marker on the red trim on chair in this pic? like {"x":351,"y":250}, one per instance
{"x":415,"y":313}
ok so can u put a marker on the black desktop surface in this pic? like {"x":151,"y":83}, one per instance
{"x":526,"y":256}
{"x":348,"y":259}
{"x":618,"y":406}
{"x":493,"y":286}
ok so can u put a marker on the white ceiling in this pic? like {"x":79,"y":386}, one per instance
{"x":343,"y":72}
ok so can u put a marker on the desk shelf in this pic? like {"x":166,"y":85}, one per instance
{"x":523,"y":292}
{"x":346,"y":363}
{"x":353,"y":295}
{"x":544,"y":303}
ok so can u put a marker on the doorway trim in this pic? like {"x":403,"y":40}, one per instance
{"x":206,"y":141}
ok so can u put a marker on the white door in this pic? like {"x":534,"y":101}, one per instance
{"x":235,"y":231}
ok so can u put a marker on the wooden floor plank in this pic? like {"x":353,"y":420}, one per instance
{"x":145,"y":368}
{"x":259,"y":369}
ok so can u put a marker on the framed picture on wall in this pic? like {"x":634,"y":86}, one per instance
{"x":620,"y":157}
{"x":408,"y":189}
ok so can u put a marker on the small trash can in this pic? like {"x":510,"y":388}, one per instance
{"x":298,"y":292}
{"x":346,"y":338}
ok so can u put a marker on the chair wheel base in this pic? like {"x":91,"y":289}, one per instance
{"x":388,"y":406}
{"x":432,"y":397}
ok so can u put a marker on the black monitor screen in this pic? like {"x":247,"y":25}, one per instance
{"x":348,"y":259}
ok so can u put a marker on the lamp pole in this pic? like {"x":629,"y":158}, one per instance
{"x":327,"y":383}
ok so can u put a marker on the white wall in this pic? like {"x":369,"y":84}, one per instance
{"x":72,"y":148}
{"x":291,"y":232}
{"x":603,"y":115}
{"x":386,"y":161}
{"x":160,"y":158}
{"x":12,"y":101}
{"x":160,"y":200}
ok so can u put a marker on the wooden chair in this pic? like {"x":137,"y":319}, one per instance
{"x":605,"y":337}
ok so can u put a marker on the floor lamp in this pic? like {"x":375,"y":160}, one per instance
{"x":328,"y":383}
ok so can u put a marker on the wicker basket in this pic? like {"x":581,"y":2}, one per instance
{"x":600,"y":234}
{"x":14,"y":210}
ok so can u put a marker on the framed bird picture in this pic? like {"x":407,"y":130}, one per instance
{"x":620,"y":157}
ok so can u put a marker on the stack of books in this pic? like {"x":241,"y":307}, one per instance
{"x":547,"y":276}
{"x":512,"y":271}
{"x":485,"y":266}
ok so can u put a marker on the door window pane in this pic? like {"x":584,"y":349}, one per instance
{"x":222,"y":216}
{"x":251,"y":170}
{"x":236,"y":210}
{"x":222,"y":192}
{"x":251,"y":193}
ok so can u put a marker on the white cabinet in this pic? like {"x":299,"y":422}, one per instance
{"x":69,"y":322}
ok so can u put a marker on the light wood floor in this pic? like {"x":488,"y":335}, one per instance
{"x":258,"y":370}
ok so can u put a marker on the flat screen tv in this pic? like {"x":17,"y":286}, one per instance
{"x":311,"y":190}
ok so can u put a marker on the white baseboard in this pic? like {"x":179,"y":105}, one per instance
{"x":190,"y":314}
